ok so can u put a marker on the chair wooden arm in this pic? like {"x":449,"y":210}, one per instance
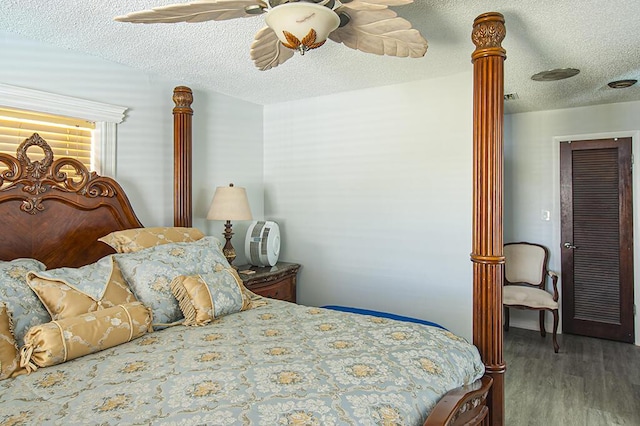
{"x":465,"y":405}
{"x":554,"y":281}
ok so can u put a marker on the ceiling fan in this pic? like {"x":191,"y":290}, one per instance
{"x":301,"y":25}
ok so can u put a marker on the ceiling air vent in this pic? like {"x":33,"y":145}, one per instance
{"x":622,"y":84}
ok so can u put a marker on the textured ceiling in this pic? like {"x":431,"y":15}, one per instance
{"x":600,"y":38}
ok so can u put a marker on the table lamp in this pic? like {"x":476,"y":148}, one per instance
{"x":229,"y":203}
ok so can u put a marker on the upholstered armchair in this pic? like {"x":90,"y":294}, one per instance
{"x":525,"y":280}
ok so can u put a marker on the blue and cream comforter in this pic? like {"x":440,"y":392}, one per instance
{"x":278,"y":364}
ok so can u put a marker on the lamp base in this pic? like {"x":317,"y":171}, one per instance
{"x":228,"y":250}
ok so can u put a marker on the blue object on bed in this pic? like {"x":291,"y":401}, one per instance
{"x":381,"y":314}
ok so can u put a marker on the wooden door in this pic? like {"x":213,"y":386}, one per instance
{"x":597,"y":238}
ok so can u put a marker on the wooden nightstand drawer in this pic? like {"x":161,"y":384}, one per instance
{"x":279,"y":290}
{"x":276,"y":282}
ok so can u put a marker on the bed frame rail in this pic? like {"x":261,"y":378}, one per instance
{"x":466,"y":405}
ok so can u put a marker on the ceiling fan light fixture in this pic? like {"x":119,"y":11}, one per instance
{"x":302,"y":26}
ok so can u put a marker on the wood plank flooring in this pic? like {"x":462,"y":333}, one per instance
{"x":590,"y":382}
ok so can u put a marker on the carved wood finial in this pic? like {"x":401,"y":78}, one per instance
{"x":183,"y":98}
{"x":35,"y":168}
{"x":488,"y":33}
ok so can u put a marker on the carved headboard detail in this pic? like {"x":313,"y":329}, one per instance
{"x":56,"y":216}
{"x":39,"y":177}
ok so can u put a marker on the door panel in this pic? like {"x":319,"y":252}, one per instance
{"x":597,"y":236}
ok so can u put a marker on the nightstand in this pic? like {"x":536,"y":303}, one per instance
{"x":276,"y":282}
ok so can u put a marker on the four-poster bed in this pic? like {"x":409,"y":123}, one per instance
{"x":58,"y":221}
{"x":487,"y":256}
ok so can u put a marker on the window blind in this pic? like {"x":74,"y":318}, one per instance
{"x":67,"y":137}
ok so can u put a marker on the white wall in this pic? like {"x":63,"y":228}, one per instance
{"x":373,"y":193}
{"x":227,"y":149}
{"x":227,"y":136}
{"x":532,"y":177}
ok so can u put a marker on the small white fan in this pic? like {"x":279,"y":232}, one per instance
{"x":262,"y":244}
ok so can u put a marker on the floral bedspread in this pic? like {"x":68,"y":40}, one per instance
{"x":278,"y":364}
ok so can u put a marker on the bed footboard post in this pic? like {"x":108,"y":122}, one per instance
{"x":487,"y":255}
{"x":182,"y":113}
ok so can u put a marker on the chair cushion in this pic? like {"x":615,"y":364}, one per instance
{"x":528,"y":296}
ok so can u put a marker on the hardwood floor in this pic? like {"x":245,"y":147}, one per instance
{"x":590,"y":382}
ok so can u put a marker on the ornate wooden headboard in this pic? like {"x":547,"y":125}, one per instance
{"x":55,"y":216}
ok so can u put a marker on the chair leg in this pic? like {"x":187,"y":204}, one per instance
{"x":543,"y":332}
{"x":556,"y":347}
{"x":506,"y":319}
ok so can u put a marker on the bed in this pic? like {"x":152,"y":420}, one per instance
{"x":233,"y":371}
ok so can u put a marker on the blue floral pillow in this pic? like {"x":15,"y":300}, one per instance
{"x":24,"y":306}
{"x":149,"y":273}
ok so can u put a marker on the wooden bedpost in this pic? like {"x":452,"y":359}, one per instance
{"x":487,"y":255}
{"x":182,"y":205}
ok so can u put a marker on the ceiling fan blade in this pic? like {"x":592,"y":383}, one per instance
{"x":375,"y":4}
{"x":198,"y":11}
{"x":266,"y":50}
{"x":381,"y":32}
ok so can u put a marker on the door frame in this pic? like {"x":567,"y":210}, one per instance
{"x":557,"y":237}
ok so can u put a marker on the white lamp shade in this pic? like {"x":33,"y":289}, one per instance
{"x":229,"y":203}
{"x":300,"y":18}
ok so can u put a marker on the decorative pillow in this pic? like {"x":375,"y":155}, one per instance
{"x":149,"y":273}
{"x":205,"y":297}
{"x":69,"y":292}
{"x":9,"y":359}
{"x":132,"y":240}
{"x":25,"y":307}
{"x":58,"y":341}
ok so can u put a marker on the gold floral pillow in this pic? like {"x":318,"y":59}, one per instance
{"x":205,"y":297}
{"x":9,"y":359}
{"x":58,"y":341}
{"x":132,"y":240}
{"x":69,"y":292}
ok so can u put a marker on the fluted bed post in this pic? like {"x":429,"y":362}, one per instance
{"x":487,"y":255}
{"x":182,"y":114}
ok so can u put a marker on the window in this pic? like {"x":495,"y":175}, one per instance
{"x":67,"y":137}
{"x":104,"y":117}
